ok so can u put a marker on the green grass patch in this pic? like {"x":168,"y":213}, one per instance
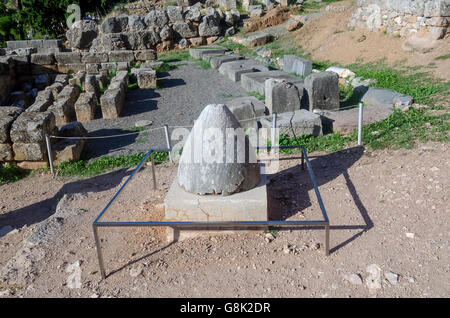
{"x":104,"y":164}
{"x":257,"y":95}
{"x":166,"y":67}
{"x":443,"y":57}
{"x":11,"y":173}
{"x":175,"y":56}
{"x":420,"y":85}
{"x":204,"y":64}
{"x":399,"y":130}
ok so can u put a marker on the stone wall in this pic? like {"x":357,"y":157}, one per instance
{"x":164,"y":28}
{"x":404,"y":17}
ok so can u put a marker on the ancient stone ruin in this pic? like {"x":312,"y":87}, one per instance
{"x":218,"y":175}
{"x":404,"y":17}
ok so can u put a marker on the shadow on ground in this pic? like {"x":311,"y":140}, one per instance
{"x":42,"y":210}
{"x":288,"y":192}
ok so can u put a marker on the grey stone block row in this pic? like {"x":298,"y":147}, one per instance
{"x":113,"y":99}
{"x":41,"y":46}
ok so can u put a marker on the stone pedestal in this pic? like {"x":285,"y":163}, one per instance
{"x":184,"y":206}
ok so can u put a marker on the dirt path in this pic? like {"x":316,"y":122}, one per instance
{"x":388,"y":211}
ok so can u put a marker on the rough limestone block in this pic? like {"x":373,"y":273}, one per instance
{"x":145,"y":55}
{"x":284,"y":96}
{"x":217,"y":61}
{"x":29,"y":151}
{"x":68,"y":150}
{"x":62,"y":78}
{"x":92,"y":68}
{"x":68,"y":57}
{"x":39,"y":106}
{"x":245,"y":108}
{"x":6,"y":152}
{"x":297,"y":65}
{"x":257,"y":39}
{"x":234,"y":70}
{"x":7,"y":116}
{"x":295,"y":124}
{"x":255,"y":82}
{"x":71,"y":68}
{"x":121,"y":76}
{"x":5,"y":126}
{"x":121,"y":56}
{"x":45,"y":95}
{"x":323,"y":90}
{"x":198,"y":52}
{"x":85,"y":107}
{"x":110,"y":66}
{"x":381,"y":97}
{"x":42,"y":69}
{"x":43,"y":59}
{"x":64,"y":111}
{"x":55,"y":89}
{"x":112,"y":103}
{"x":91,"y":86}
{"x":146,"y":78}
{"x":94,"y":57}
{"x":71,"y":92}
{"x":32,"y":127}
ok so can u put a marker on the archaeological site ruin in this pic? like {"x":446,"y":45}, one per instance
{"x":153,"y":137}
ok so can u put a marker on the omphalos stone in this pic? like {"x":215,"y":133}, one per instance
{"x":217,"y":157}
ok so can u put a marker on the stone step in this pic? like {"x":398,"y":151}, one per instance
{"x":197,"y":52}
{"x":255,"y":81}
{"x":217,"y":61}
{"x":234,"y":70}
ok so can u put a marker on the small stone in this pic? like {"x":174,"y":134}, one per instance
{"x":373,"y":281}
{"x":354,"y":279}
{"x":143,"y":123}
{"x":135,"y":272}
{"x":95,"y":295}
{"x":392,"y":278}
{"x":410,"y":235}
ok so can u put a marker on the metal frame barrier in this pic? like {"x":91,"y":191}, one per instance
{"x":232,"y":225}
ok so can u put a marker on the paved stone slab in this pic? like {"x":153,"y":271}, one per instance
{"x":255,"y":82}
{"x":380,"y":96}
{"x":198,"y":52}
{"x":217,"y":61}
{"x":234,"y":70}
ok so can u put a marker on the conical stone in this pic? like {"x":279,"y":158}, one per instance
{"x":217,"y":157}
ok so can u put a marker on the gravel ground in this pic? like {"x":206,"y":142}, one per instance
{"x":186,"y":91}
{"x":388,"y":210}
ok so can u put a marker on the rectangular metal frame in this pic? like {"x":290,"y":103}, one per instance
{"x":232,"y":225}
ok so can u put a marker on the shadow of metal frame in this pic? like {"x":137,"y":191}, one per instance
{"x":232,"y":225}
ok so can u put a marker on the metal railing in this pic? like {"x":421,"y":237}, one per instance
{"x":232,"y":225}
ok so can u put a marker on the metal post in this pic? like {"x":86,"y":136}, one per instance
{"x":99,"y":252}
{"x":360,"y":124}
{"x":327,"y":239}
{"x":153,"y":171}
{"x":274,"y":126}
{"x":49,"y":153}
{"x":166,"y":131}
{"x":303,"y":159}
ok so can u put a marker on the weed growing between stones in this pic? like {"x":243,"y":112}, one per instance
{"x":174,"y":56}
{"x":257,"y":95}
{"x":11,"y":173}
{"x":104,"y":164}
